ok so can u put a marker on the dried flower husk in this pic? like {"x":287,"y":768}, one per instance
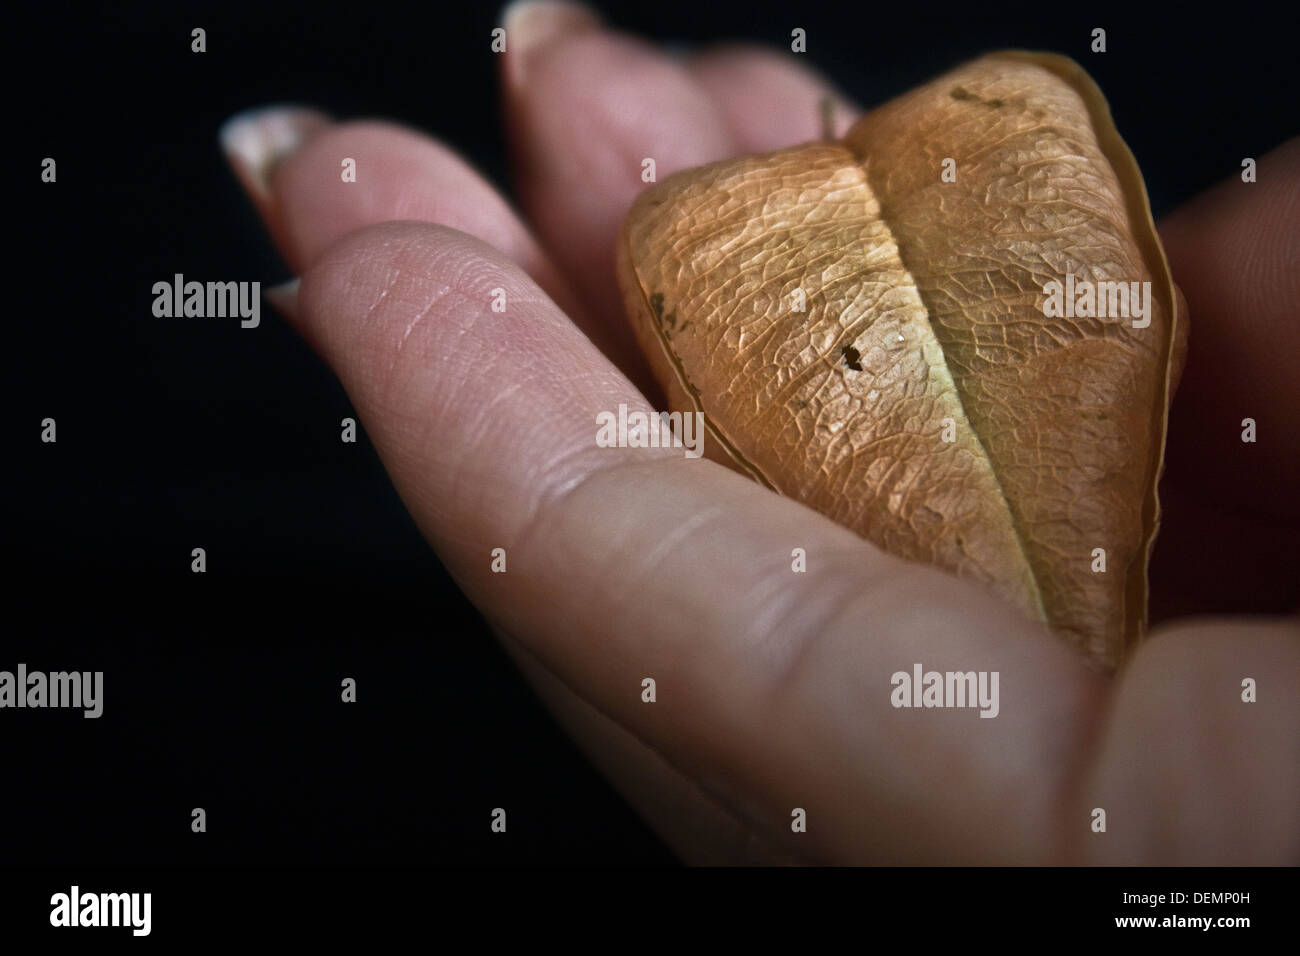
{"x":865,"y":326}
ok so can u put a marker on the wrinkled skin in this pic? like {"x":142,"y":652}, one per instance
{"x":773,"y":688}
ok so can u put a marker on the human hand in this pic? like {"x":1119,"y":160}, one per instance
{"x":773,"y":688}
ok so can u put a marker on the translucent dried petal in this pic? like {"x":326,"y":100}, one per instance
{"x":866,"y":327}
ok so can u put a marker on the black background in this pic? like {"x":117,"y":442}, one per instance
{"x":222,"y":689}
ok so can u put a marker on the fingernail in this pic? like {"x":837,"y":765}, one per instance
{"x":257,"y":141}
{"x":285,"y":299}
{"x":533,"y":25}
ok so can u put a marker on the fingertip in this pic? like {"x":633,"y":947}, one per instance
{"x":532,"y":25}
{"x":769,"y":97}
{"x":257,"y":141}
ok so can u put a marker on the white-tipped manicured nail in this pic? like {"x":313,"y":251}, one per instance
{"x":533,"y":24}
{"x":257,"y":141}
{"x":285,"y":298}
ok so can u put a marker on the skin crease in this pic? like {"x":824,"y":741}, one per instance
{"x":772,"y":688}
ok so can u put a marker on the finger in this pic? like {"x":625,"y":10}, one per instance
{"x":256,"y":141}
{"x":1234,"y":251}
{"x":1211,"y":558}
{"x":774,"y":687}
{"x":289,"y":162}
{"x":314,"y":181}
{"x":769,"y":99}
{"x":1198,"y":760}
{"x":1230,"y":517}
{"x":696,"y":826}
{"x":586,"y":108}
